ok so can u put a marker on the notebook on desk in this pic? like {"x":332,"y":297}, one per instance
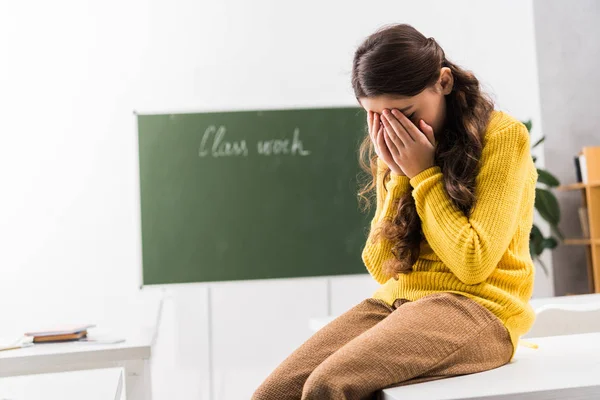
{"x":61,"y":330}
{"x":60,"y":334}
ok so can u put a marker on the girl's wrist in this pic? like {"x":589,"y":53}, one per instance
{"x":393,"y":170}
{"x":397,"y":181}
{"x":398,"y":177}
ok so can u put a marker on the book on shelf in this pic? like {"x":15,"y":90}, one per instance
{"x":590,"y":164}
{"x":584,"y":221}
{"x":587,"y":165}
{"x":583,"y":168}
{"x":577,"y":169}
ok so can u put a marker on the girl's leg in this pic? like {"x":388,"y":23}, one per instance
{"x":287,"y":380}
{"x":443,"y":334}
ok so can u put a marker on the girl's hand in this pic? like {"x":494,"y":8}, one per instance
{"x":411,"y":148}
{"x":376,"y":133}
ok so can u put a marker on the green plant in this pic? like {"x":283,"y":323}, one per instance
{"x":547,"y":206}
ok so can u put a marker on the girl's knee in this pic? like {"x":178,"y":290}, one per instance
{"x":322,"y":384}
{"x":272,"y":389}
{"x":265,"y":391}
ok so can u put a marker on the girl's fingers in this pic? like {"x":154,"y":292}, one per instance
{"x":396,"y":131}
{"x":393,"y":151}
{"x":393,"y":143}
{"x":408,"y":125}
{"x":371,"y":122}
{"x":427,"y":131}
{"x":381,"y":146}
{"x":374,"y":141}
{"x":384,"y":151}
{"x":376,"y":127}
{"x":395,"y":139}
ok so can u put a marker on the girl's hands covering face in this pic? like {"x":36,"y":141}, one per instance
{"x":376,"y":132}
{"x":411,"y":148}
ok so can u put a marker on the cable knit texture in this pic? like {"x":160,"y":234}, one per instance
{"x":484,"y":256}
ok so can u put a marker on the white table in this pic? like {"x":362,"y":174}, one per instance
{"x":100,"y":384}
{"x":136,"y":319}
{"x":317,"y":323}
{"x":563,"y":367}
{"x":133,"y":356}
{"x":577,"y":299}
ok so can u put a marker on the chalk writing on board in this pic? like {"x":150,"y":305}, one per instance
{"x":214,"y":144}
{"x":282,"y":146}
{"x":220,"y":147}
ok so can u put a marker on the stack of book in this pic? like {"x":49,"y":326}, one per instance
{"x":581,"y":168}
{"x":60,"y":334}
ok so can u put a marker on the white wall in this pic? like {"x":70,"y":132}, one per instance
{"x":568,"y":47}
{"x":73,"y":72}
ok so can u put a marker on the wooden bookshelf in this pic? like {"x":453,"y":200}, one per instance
{"x":577,"y":186}
{"x":590,"y":198}
{"x":580,"y":241}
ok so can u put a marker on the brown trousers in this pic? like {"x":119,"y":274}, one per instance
{"x":374,"y":346}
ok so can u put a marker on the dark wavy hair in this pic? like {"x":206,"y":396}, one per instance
{"x":397,"y":60}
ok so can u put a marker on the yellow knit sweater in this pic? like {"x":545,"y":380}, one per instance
{"x":485,"y":256}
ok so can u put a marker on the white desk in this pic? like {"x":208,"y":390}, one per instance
{"x":136,"y":319}
{"x":133,"y":356}
{"x":315,"y":324}
{"x":564,"y":367}
{"x":101,"y":384}
{"x":577,"y":299}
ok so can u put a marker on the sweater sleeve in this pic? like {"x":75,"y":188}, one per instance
{"x":387,"y":194}
{"x":471,"y":247}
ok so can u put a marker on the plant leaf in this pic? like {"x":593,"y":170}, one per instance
{"x":549,"y":243}
{"x":538,"y":142}
{"x":547,"y":206}
{"x":527,"y":125}
{"x":535,"y":241}
{"x":557,"y":231}
{"x":534,"y":158}
{"x":547,"y":178}
{"x":544,"y":268}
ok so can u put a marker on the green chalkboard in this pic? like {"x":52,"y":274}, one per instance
{"x":251,"y":194}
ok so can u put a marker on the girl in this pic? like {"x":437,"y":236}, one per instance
{"x":449,"y":242}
